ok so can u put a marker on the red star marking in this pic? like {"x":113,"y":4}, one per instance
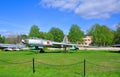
{"x":48,"y":43}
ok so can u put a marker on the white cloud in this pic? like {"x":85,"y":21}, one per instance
{"x":86,"y":8}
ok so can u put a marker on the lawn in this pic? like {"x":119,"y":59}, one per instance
{"x":59,"y":64}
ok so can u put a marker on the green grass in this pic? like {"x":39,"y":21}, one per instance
{"x":98,"y":64}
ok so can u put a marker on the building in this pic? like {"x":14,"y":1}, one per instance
{"x":87,"y":40}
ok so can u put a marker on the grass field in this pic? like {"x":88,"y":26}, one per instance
{"x":59,"y":64}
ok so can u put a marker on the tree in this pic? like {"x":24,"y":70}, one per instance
{"x":117,"y":35}
{"x":14,"y":39}
{"x":20,"y":37}
{"x":102,"y":35}
{"x":57,"y":34}
{"x":48,"y":36}
{"x":2,"y":39}
{"x":75,"y":34}
{"x":107,"y":36}
{"x":11,"y":39}
{"x":34,"y":31}
{"x":42,"y":35}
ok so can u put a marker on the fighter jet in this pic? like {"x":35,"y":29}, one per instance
{"x":41,"y":43}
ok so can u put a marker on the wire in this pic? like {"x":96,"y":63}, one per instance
{"x":15,"y":62}
{"x":102,"y":65}
{"x":80,"y":62}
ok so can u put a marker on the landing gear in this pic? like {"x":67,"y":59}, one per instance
{"x":65,"y":50}
{"x":37,"y":50}
{"x":41,"y":50}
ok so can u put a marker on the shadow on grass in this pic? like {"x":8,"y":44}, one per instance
{"x":31,"y":52}
{"x":57,"y":51}
{"x":49,"y":51}
{"x":114,"y":51}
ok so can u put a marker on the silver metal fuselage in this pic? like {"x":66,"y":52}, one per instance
{"x":38,"y":42}
{"x":46,"y":43}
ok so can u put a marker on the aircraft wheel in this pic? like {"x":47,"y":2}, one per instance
{"x":42,"y":51}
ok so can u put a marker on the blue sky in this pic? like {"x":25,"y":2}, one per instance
{"x":17,"y":16}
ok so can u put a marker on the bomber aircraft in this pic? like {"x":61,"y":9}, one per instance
{"x":41,"y":43}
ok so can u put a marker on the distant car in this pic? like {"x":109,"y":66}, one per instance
{"x":8,"y":49}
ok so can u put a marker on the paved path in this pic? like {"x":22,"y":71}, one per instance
{"x":101,"y":48}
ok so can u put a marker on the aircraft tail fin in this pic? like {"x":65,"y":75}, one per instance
{"x":65,"y":39}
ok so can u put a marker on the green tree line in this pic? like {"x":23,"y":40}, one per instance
{"x":102,"y":35}
{"x":56,"y":34}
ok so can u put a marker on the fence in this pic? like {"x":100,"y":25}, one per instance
{"x":84,"y":62}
